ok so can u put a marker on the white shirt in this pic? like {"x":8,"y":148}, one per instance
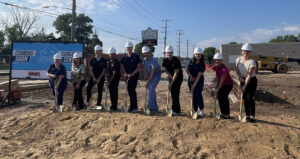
{"x":244,"y":68}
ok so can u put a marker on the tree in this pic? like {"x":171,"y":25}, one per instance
{"x":233,"y":42}
{"x":209,"y":54}
{"x":138,"y":48}
{"x":285,"y":39}
{"x":83,"y":27}
{"x":19,"y":24}
{"x":94,"y":41}
{"x":2,"y":40}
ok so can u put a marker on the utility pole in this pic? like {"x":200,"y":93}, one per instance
{"x":165,"y":38}
{"x":187,"y":49}
{"x":180,"y":32}
{"x":73,"y":21}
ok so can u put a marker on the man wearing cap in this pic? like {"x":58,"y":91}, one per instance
{"x":97,"y":68}
{"x":154,"y":72}
{"x":58,"y":80}
{"x":131,"y":65}
{"x":113,"y":74}
{"x":174,"y":73}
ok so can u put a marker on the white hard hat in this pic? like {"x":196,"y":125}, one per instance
{"x":98,"y":47}
{"x":57,"y":56}
{"x":247,"y":47}
{"x":197,"y":50}
{"x":77,"y":55}
{"x":145,"y":49}
{"x":112,"y":50}
{"x":218,"y":56}
{"x":169,"y":48}
{"x":129,"y":44}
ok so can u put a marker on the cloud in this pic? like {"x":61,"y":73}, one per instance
{"x":258,"y":35}
{"x":110,"y":5}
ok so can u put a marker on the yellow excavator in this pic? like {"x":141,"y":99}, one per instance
{"x":274,"y":64}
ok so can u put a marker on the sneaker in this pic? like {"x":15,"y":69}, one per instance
{"x":134,"y":111}
{"x":201,"y":113}
{"x":99,"y":107}
{"x":174,"y":114}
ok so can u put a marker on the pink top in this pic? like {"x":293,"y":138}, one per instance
{"x":220,"y":71}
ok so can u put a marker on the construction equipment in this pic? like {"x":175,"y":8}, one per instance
{"x":240,"y":117}
{"x":167,"y":110}
{"x":146,"y":110}
{"x":274,"y":64}
{"x":125,"y":107}
{"x":193,"y":113}
{"x":106,"y":107}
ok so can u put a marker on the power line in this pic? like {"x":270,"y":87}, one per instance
{"x":180,"y":32}
{"x":165,"y":28}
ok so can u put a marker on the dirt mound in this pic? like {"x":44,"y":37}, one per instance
{"x":31,"y":130}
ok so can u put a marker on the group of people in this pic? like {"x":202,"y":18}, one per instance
{"x":130,"y":66}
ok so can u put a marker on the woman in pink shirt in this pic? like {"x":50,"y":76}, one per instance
{"x":224,"y":85}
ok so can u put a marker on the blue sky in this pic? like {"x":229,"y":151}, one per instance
{"x":204,"y":22}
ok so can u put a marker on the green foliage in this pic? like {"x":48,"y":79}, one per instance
{"x":138,"y":48}
{"x":89,"y":49}
{"x":209,"y":54}
{"x":233,"y":42}
{"x":285,"y":39}
{"x":83,"y":27}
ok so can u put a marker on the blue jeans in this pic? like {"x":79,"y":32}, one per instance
{"x":197,"y":95}
{"x":152,"y":94}
{"x":60,"y":93}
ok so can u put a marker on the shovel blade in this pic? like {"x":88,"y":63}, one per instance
{"x":107,"y":108}
{"x":168,"y":112}
{"x":193,"y":115}
{"x":55,"y":109}
{"x":212,"y":114}
{"x":124,"y":109}
{"x":146,"y":111}
{"x":241,"y":119}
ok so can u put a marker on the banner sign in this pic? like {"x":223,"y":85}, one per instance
{"x":31,"y":60}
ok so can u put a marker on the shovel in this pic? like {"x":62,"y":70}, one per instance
{"x":146,"y":110}
{"x":106,"y":107}
{"x":57,"y":108}
{"x":125,"y":107}
{"x":240,"y":117}
{"x":167,"y":110}
{"x":214,"y":114}
{"x":193,"y":113}
{"x":72,"y":107}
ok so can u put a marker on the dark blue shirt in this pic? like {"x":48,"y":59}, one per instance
{"x":196,"y":68}
{"x":98,"y":65}
{"x":61,"y":70}
{"x":130,"y":63}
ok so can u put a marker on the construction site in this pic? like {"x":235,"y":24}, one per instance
{"x":29,"y":129}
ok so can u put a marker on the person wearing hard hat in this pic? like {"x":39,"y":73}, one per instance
{"x":131,"y":66}
{"x":58,"y":80}
{"x":195,"y":69}
{"x":78,"y":78}
{"x":113,"y":74}
{"x":224,"y":85}
{"x":154,"y":73}
{"x":245,"y":69}
{"x":174,"y":73}
{"x":97,"y":68}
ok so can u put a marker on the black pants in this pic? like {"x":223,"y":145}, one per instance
{"x":175,"y":92}
{"x":132,"y":83}
{"x":248,"y":96}
{"x":113,"y":91}
{"x":223,"y":99}
{"x":100,"y":88}
{"x":78,"y":98}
